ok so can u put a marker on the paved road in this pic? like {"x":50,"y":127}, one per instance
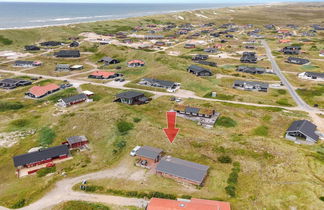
{"x":180,"y":93}
{"x":299,"y":101}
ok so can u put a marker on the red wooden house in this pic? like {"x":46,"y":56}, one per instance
{"x":75,"y":142}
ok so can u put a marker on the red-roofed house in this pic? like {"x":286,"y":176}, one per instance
{"x":181,"y":204}
{"x":41,"y":91}
{"x":135,"y":63}
{"x":283,"y":41}
{"x":102,"y":75}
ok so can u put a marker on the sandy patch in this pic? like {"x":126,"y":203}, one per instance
{"x":11,"y":138}
{"x":13,"y":55}
{"x":201,"y":16}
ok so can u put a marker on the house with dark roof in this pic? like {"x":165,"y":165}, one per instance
{"x":42,"y":91}
{"x":316,"y":76}
{"x":182,"y":170}
{"x":168,"y":85}
{"x":51,"y":44}
{"x":67,"y":54}
{"x":26,"y":64}
{"x":251,"y":85}
{"x":302,"y":131}
{"x":131,"y":98}
{"x":31,"y":48}
{"x":76,"y":99}
{"x":291,"y":50}
{"x":199,"y":71}
{"x":194,"y":111}
{"x":108,"y":60}
{"x":13,"y":83}
{"x":211,"y":50}
{"x":74,"y":44}
{"x":62,"y":67}
{"x":299,"y":61}
{"x":40,"y":158}
{"x":148,"y":156}
{"x":199,"y":57}
{"x":76,"y":142}
{"x":184,"y":204}
{"x":189,"y":46}
{"x":248,"y":57}
{"x":250,"y":70}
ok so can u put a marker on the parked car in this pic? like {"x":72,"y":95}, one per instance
{"x":117,"y":79}
{"x":121,"y":80}
{"x":178,"y":100}
{"x":133,"y":152}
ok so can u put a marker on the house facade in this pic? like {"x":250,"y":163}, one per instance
{"x":42,"y":91}
{"x":76,"y":99}
{"x":131,"y":98}
{"x":302,"y":131}
{"x":316,"y":76}
{"x":182,"y":170}
{"x":13,"y":83}
{"x":251,"y":85}
{"x":76,"y":142}
{"x":199,"y":71}
{"x":108,"y":60}
{"x":168,"y":85}
{"x":193,"y":111}
{"x":299,"y":61}
{"x":148,"y":156}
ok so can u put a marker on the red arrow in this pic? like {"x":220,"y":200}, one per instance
{"x":171,"y":132}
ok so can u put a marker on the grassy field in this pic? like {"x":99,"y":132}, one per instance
{"x":274,"y":173}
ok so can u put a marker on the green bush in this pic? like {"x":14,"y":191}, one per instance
{"x":282,"y":91}
{"x":226,"y":122}
{"x":5,"y":106}
{"x":82,"y":205}
{"x":19,"y":204}
{"x":321,"y":198}
{"x":20,"y":123}
{"x":123,"y":127}
{"x":93,"y":188}
{"x":119,"y":144}
{"x":261,"y":131}
{"x":5,"y":41}
{"x":136,"y":119}
{"x":46,"y":136}
{"x":230,"y":190}
{"x":224,"y":159}
{"x":44,"y":171}
{"x":232,"y":179}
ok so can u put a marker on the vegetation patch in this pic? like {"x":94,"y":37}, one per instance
{"x":261,"y":131}
{"x":5,"y":41}
{"x":232,"y":180}
{"x":44,"y":171}
{"x":123,"y":127}
{"x":283,"y":102}
{"x":20,"y":123}
{"x":224,"y":159}
{"x":46,"y":136}
{"x":19,"y":204}
{"x":82,"y":205}
{"x":226,"y":122}
{"x":6,"y":105}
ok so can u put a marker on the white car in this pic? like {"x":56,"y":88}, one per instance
{"x":133,"y":152}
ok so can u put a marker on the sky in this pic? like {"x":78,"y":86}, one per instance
{"x":160,"y":1}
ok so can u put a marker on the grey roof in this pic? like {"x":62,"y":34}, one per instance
{"x":63,"y":66}
{"x":149,"y":152}
{"x":249,"y":69}
{"x":67,"y":53}
{"x":314,"y":74}
{"x":107,"y":59}
{"x":76,"y":139}
{"x":192,"y":109}
{"x":197,"y":69}
{"x":71,"y":99}
{"x":305,"y":127}
{"x":298,"y":60}
{"x":253,"y":83}
{"x":24,"y":62}
{"x":11,"y":81}
{"x":129,"y":94}
{"x":182,"y":169}
{"x":43,"y":154}
{"x":163,"y":83}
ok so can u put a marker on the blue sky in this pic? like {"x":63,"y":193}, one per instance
{"x":160,"y":1}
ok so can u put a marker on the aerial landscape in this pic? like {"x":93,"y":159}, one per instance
{"x":183,"y":106}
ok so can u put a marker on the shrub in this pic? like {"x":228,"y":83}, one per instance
{"x":20,"y":123}
{"x":232,"y":179}
{"x":118,"y":144}
{"x":46,"y":136}
{"x":321,"y":198}
{"x":283,"y":102}
{"x":5,"y":106}
{"x":261,"y":131}
{"x":230,"y":190}
{"x":19,"y":204}
{"x":93,"y":188}
{"x":136,"y":119}
{"x":224,"y":159}
{"x":44,"y":171}
{"x":5,"y":41}
{"x":124,"y":127}
{"x":226,"y":122}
